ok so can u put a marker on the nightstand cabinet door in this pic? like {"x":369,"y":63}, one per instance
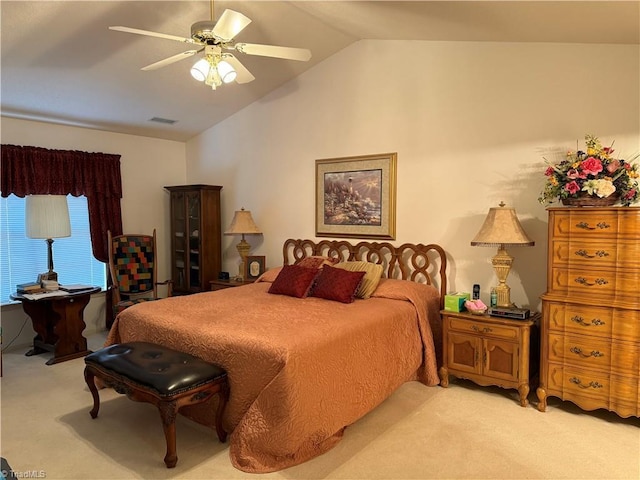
{"x":463,"y":353}
{"x":500,"y":359}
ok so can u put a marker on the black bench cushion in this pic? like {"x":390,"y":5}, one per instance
{"x":162,"y":369}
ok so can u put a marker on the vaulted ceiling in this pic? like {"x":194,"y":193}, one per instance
{"x":60,"y":63}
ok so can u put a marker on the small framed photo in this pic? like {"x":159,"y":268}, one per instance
{"x":254,"y":267}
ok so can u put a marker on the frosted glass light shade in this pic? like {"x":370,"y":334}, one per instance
{"x":226,"y":71}
{"x":200,"y":70}
{"x":47,"y":216}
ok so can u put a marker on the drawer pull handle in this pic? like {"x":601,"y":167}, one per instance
{"x":578,"y":382}
{"x":475,"y":328}
{"x":584,"y":281}
{"x":580,"y":321}
{"x":578,"y":351}
{"x":600,"y":225}
{"x":597,"y":253}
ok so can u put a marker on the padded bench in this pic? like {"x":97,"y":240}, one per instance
{"x":168,"y":379}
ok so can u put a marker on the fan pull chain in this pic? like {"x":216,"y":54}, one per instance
{"x":213,"y":19}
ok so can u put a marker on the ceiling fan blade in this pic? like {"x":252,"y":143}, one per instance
{"x":137,"y":31}
{"x":230,"y":24}
{"x":289,"y":53}
{"x":243,"y":75}
{"x":170,"y":60}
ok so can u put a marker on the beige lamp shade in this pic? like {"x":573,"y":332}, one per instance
{"x":242,"y":224}
{"x":501,"y":228}
{"x":47,"y":216}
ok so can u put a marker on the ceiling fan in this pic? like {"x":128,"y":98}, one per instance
{"x":216,"y":39}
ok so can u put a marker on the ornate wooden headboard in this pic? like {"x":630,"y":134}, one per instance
{"x":417,"y":263}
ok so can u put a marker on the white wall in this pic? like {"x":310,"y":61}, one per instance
{"x":147,"y":165}
{"x":470,"y":123}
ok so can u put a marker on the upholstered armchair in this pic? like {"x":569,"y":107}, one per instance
{"x":132,"y":265}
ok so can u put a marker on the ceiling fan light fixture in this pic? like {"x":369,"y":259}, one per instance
{"x":226,"y":71}
{"x":200,"y":70}
{"x":213,"y":78}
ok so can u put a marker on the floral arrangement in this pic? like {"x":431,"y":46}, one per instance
{"x":595,"y":172}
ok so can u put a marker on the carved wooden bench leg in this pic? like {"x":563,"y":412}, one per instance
{"x":89,"y":377}
{"x":168,"y":412}
{"x":223,"y":395}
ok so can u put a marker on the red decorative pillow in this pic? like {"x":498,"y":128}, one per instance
{"x":294,"y":281}
{"x":317,"y":261}
{"x":337,"y":284}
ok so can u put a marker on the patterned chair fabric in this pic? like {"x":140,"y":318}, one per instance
{"x":132,"y":269}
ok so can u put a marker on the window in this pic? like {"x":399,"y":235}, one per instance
{"x":22,"y":259}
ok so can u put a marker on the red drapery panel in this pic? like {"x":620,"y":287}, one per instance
{"x":40,"y":171}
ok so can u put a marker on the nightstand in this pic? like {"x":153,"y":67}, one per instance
{"x":222,"y":284}
{"x":489,"y":350}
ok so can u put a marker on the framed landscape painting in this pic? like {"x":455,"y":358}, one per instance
{"x":356,"y":197}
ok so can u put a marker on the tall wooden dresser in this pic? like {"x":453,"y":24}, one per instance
{"x":590,"y":332}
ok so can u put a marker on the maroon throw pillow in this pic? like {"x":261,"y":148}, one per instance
{"x":293,"y":281}
{"x":337,"y":284}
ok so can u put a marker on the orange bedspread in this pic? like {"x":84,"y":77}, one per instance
{"x":300,"y":370}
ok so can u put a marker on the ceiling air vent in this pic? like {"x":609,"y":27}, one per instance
{"x":163,"y":120}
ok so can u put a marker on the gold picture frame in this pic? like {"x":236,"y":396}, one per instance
{"x":254,"y":267}
{"x":356,"y":197}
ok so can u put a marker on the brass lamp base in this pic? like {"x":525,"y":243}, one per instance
{"x":243,"y":249}
{"x":502,"y":262}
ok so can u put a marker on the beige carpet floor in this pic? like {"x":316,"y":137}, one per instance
{"x":464,"y":431}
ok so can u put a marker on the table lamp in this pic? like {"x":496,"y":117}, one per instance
{"x":47,"y":216}
{"x":243,"y":224}
{"x":501,"y":228}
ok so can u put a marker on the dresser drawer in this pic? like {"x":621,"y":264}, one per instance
{"x":614,"y":323}
{"x":595,"y":253}
{"x":606,"y":284}
{"x":574,"y":383}
{"x":613,"y":222}
{"x":597,"y":353}
{"x":486,"y":329}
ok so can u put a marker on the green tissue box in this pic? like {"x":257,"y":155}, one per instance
{"x":454,"y":302}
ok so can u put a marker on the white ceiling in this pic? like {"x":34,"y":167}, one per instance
{"x":60,"y":63}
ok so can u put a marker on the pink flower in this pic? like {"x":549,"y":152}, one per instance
{"x":573,"y":174}
{"x":591,"y":166}
{"x":630,"y":194}
{"x":549,"y":171}
{"x":572,"y":187}
{"x":613,"y":166}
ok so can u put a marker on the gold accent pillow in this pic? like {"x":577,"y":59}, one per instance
{"x":373,"y":273}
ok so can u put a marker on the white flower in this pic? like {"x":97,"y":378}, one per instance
{"x":602,"y":187}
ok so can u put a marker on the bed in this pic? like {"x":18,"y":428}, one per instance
{"x":302,"y":369}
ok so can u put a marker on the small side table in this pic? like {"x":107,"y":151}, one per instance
{"x":488,"y":350}
{"x":222,"y":284}
{"x":59,"y":323}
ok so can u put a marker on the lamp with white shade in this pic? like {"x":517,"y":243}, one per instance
{"x":243,"y":224}
{"x":47,"y":217}
{"x":502,"y":229}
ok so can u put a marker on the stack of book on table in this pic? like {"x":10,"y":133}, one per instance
{"x":30,"y":287}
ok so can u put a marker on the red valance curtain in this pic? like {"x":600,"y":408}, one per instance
{"x":40,"y":171}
